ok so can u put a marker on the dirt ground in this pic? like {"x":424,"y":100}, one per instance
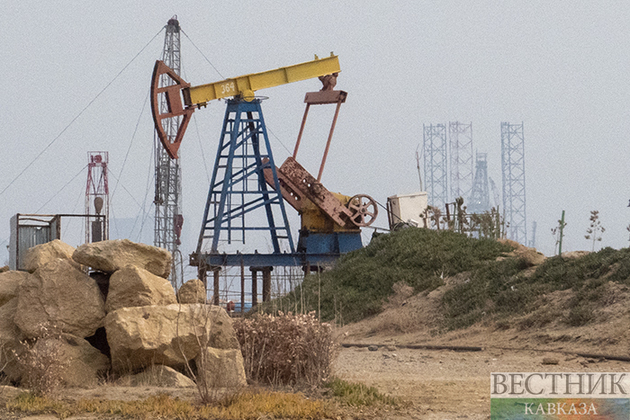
{"x":447,"y":384}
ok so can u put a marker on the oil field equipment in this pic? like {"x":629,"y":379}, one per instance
{"x":245,"y":177}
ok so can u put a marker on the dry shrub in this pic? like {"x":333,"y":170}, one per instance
{"x":40,"y":364}
{"x":286,"y":349}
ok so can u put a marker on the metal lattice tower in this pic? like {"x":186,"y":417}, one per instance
{"x":168,"y":215}
{"x":435,"y":164}
{"x":238,"y":186}
{"x":461,"y":158}
{"x":97,"y":198}
{"x":480,"y":195}
{"x":513,"y":168}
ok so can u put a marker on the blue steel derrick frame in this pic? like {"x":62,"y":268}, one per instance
{"x":435,"y":165}
{"x":238,"y":185}
{"x":513,"y":168}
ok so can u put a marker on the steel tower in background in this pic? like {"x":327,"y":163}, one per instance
{"x":480,"y":195}
{"x":97,"y":198}
{"x":435,"y":164}
{"x":513,"y":168}
{"x":461,"y":158}
{"x":168,"y":215}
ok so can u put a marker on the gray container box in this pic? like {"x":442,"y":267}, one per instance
{"x":28,"y":230}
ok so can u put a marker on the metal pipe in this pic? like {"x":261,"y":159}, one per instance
{"x":242,"y":287}
{"x":216,"y":285}
{"x":561,"y":234}
{"x":297,"y":143}
{"x":332,"y":130}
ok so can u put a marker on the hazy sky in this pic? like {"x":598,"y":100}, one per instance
{"x":560,"y":67}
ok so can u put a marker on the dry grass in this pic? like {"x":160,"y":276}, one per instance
{"x":286,"y":349}
{"x":243,"y":406}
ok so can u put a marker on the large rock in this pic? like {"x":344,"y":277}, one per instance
{"x":220,"y":368}
{"x":133,"y":286}
{"x":59,"y":297}
{"x":166,"y":335}
{"x":10,"y":334}
{"x":109,"y":256}
{"x":193,"y":291}
{"x":9,"y":393}
{"x":9,"y":284}
{"x":42,"y":254}
{"x":162,"y":376}
{"x":9,"y":331}
{"x":530,"y":256}
{"x":10,"y":351}
{"x":72,"y":359}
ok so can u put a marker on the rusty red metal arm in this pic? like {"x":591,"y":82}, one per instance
{"x":172,"y":95}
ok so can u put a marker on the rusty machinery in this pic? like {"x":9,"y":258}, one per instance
{"x":330,"y":222}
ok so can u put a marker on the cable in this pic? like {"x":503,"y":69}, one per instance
{"x":203,"y":55}
{"x":144,"y":213}
{"x":130,"y":195}
{"x":133,"y":136}
{"x":203,"y":155}
{"x":78,"y":115}
{"x":278,"y":138}
{"x":57,"y":193}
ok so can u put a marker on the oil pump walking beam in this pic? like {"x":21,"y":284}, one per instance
{"x":182,"y":99}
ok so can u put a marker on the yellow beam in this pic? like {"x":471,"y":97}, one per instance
{"x":245,"y":86}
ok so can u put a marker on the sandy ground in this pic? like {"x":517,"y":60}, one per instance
{"x":444,"y":384}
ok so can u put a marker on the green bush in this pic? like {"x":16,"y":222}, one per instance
{"x":500,"y":288}
{"x":362,"y":280}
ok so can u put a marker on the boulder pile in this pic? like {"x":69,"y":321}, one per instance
{"x":123,"y":319}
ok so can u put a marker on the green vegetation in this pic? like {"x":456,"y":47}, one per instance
{"x":362,"y":280}
{"x":503,"y":289}
{"x":359,"y":395}
{"x":496,"y":288}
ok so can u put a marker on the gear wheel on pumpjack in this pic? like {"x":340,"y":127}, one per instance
{"x":363,"y":209}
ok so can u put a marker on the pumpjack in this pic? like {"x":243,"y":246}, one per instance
{"x":330,"y":222}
